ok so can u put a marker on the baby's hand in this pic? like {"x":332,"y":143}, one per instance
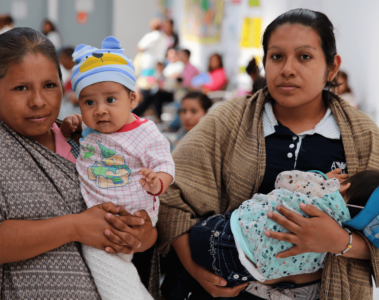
{"x":150,"y":181}
{"x":70,"y":124}
{"x":337,"y":174}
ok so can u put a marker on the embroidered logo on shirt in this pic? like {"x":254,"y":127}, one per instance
{"x":111,"y":171}
{"x":339,"y":165}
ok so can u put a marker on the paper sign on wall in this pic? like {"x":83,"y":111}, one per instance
{"x":251,"y":33}
{"x":19,"y":10}
{"x":84,"y":6}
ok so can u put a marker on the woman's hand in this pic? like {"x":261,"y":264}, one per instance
{"x":132,"y":232}
{"x":214,"y":284}
{"x":91,"y":226}
{"x":320,"y":233}
{"x":337,"y":173}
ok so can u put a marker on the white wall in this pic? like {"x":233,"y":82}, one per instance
{"x":357,"y":25}
{"x":131,"y":21}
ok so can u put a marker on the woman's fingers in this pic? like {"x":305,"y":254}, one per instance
{"x":312,"y":211}
{"x":288,"y":219}
{"x":282,"y":236}
{"x":122,"y":240}
{"x":215,"y":285}
{"x":291,"y":252}
{"x":110,"y":207}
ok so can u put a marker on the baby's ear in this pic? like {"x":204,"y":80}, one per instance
{"x":133,"y":99}
{"x":344,"y":188}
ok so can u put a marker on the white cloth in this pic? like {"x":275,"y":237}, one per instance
{"x":55,"y":38}
{"x":108,"y":165}
{"x":115,"y":276}
{"x":154,"y":46}
{"x":173,"y":68}
{"x":327,"y":127}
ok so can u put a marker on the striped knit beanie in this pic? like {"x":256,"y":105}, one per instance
{"x":98,"y":65}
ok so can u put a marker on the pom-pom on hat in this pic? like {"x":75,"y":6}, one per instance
{"x":98,"y":65}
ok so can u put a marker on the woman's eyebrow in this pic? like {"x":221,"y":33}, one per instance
{"x":276,"y":47}
{"x":305,"y":46}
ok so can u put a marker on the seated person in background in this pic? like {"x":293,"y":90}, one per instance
{"x":247,"y":227}
{"x":344,"y":90}
{"x":65,"y":59}
{"x":173,"y":69}
{"x":69,"y":104}
{"x":193,"y":107}
{"x":217,"y":74}
{"x":189,"y":70}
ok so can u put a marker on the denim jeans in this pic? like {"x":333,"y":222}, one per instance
{"x":213,"y":247}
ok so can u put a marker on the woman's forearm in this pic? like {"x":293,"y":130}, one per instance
{"x":359,"y":248}
{"x":182,"y":248}
{"x":22,"y":239}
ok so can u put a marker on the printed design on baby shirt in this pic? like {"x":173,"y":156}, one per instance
{"x":111,"y":171}
{"x":90,"y":152}
{"x":339,"y":165}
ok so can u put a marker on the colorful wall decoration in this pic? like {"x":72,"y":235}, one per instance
{"x":202,"y":20}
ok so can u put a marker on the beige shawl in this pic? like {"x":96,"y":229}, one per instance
{"x":221,"y":163}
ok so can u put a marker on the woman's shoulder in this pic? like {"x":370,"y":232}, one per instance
{"x":358,"y":120}
{"x":234,"y":107}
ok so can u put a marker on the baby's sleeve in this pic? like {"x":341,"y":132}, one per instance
{"x":158,"y":158}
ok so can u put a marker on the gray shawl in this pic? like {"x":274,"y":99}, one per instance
{"x":37,"y":184}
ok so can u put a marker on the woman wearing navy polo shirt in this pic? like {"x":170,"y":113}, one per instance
{"x":242,"y":145}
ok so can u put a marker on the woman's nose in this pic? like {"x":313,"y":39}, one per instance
{"x":289,"y":68}
{"x":36,"y":100}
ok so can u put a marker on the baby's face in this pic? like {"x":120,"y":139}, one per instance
{"x":105,"y":106}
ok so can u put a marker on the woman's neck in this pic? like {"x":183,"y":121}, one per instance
{"x":47,"y":139}
{"x":301,"y":118}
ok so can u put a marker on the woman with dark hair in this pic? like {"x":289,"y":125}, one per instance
{"x":295,"y":123}
{"x":52,"y":34}
{"x":43,"y":217}
{"x":216,"y":73}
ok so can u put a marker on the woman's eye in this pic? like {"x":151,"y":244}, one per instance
{"x":50,"y":85}
{"x":276,"y":56}
{"x":89,"y":102}
{"x":20,"y":88}
{"x":111,"y":100}
{"x":194,"y":111}
{"x":305,"y":57}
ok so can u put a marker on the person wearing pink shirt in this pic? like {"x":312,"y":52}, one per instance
{"x":190,"y":71}
{"x":217,"y":74}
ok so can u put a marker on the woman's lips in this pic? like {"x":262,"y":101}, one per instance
{"x":287,"y":88}
{"x":38,"y":119}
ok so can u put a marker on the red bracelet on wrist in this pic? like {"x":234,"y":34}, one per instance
{"x":155,"y":195}
{"x":160,"y":192}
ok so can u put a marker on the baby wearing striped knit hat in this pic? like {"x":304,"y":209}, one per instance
{"x":123,"y":159}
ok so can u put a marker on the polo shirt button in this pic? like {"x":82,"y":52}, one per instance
{"x":244,"y":278}
{"x":236,"y":276}
{"x":292,"y":145}
{"x":294,"y":138}
{"x":289,"y":155}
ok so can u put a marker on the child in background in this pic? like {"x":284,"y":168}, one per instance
{"x":244,"y":231}
{"x":123,"y":159}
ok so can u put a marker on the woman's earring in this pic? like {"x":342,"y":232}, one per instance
{"x":328,"y":91}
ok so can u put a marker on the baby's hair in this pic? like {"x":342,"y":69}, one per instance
{"x":363,"y":184}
